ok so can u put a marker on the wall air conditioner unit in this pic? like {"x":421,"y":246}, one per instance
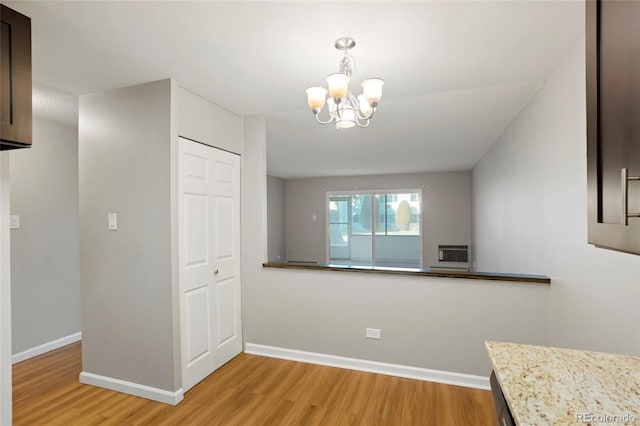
{"x":451,"y":253}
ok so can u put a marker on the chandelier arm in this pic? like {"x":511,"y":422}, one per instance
{"x":356,"y":106}
{"x":361,"y":116}
{"x":360,"y":121}
{"x":353,"y":100}
{"x":323,"y":122}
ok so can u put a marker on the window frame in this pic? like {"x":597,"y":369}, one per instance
{"x":374,"y":211}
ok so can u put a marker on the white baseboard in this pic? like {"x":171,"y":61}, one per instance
{"x":143,"y":391}
{"x":417,"y":373}
{"x":46,"y":347}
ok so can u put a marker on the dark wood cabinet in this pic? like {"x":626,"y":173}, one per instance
{"x":613,"y":123}
{"x":503,"y":414}
{"x":15,"y":80}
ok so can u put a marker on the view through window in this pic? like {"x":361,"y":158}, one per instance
{"x":379,"y":228}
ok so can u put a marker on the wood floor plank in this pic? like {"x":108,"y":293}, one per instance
{"x":249,"y":390}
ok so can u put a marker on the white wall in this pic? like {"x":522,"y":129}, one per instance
{"x":530,"y":216}
{"x":45,"y":266}
{"x":5,"y":294}
{"x":437,"y":323}
{"x":203,"y":121}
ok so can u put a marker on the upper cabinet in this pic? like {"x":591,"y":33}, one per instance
{"x":15,"y":80}
{"x":613,"y":123}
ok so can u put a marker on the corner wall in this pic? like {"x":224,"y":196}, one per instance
{"x":530,"y":216}
{"x":127,"y":294}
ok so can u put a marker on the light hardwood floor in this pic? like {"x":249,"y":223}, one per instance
{"x":249,"y":390}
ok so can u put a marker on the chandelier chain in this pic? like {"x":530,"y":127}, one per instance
{"x":347,"y":64}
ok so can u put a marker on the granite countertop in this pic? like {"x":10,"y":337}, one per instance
{"x":553,"y":386}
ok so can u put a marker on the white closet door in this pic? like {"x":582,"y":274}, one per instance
{"x":226,"y":206}
{"x":209,"y":252}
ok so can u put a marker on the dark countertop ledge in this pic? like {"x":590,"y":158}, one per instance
{"x":425,"y":272}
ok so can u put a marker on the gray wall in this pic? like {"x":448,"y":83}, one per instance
{"x":45,"y":265}
{"x":276,"y":217}
{"x":530,"y":215}
{"x":128,"y":316}
{"x":446,"y":201}
{"x":437,"y":323}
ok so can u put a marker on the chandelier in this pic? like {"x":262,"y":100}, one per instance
{"x":345,"y":109}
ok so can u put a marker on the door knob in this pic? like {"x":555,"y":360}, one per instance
{"x":216,"y":272}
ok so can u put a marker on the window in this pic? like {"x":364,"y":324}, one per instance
{"x":380,"y":228}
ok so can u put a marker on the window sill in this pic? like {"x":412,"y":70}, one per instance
{"x":491,"y":276}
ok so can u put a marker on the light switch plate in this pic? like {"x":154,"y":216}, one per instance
{"x":373,"y":333}
{"x":113,"y":221}
{"x":14,"y":221}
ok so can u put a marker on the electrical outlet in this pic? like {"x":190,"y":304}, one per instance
{"x":373,"y":333}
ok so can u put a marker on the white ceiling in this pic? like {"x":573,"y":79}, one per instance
{"x":456,"y":73}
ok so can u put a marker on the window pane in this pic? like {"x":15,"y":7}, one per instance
{"x":399,"y":216}
{"x":361,"y":218}
{"x":403,"y":215}
{"x":339,"y":234}
{"x":339,"y":210}
{"x":381,"y":219}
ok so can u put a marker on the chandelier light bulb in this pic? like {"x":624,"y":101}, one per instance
{"x":372,"y":90}
{"x":338,"y":85}
{"x":316,"y":97}
{"x":365,"y":106}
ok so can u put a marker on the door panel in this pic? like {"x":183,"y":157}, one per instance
{"x":196,"y":212}
{"x":227,"y":327}
{"x":197,"y":307}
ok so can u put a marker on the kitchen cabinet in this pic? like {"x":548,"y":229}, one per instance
{"x":613,"y":127}
{"x":15,"y":80}
{"x":500,"y":405}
